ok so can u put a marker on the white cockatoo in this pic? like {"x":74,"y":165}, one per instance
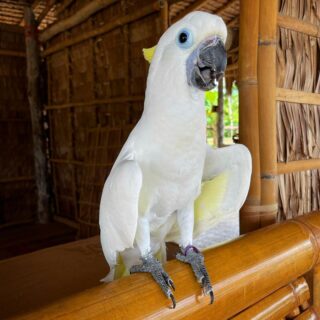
{"x":156,"y":190}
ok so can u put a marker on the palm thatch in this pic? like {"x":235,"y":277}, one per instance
{"x":298,"y":125}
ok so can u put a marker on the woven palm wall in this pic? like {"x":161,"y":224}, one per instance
{"x":17,"y":187}
{"x":298,"y":124}
{"x":95,"y":92}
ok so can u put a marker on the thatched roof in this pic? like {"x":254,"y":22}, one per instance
{"x":227,"y":9}
{"x":11,"y":11}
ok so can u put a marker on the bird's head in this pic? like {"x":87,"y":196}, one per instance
{"x":192,"y":48}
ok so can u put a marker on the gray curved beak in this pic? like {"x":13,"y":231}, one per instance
{"x":206,"y":64}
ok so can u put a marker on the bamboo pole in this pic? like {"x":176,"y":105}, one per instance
{"x":66,"y":221}
{"x":238,"y":283}
{"x":299,"y":165}
{"x":248,"y":102}
{"x":310,"y":314}
{"x":63,"y":6}
{"x":298,"y":25}
{"x":267,"y":106}
{"x":232,"y":67}
{"x":109,"y":26}
{"x":12,"y":53}
{"x":81,"y":15}
{"x":279,"y":304}
{"x":164,"y":14}
{"x":296,"y":96}
{"x":16,"y":179}
{"x":45,"y":11}
{"x":220,"y":124}
{"x":193,"y":7}
{"x":316,"y":287}
{"x":39,"y":147}
{"x":95,"y":102}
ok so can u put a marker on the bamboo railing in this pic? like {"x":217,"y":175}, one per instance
{"x":257,"y":276}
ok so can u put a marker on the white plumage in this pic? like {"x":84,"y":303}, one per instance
{"x":149,"y":195}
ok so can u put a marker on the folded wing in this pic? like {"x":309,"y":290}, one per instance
{"x":119,"y":206}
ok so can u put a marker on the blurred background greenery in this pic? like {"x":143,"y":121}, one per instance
{"x":231,"y":115}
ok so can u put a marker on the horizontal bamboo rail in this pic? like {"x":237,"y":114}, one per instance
{"x":66,"y":221}
{"x":310,"y":314}
{"x":298,"y":25}
{"x":16,"y":179}
{"x":12,"y":53}
{"x":295,"y":96}
{"x":279,"y":304}
{"x":95,"y":102}
{"x":81,"y":163}
{"x":15,"y":223}
{"x":243,"y":272}
{"x":299,"y":165}
{"x":81,"y":15}
{"x":109,"y":26}
{"x":232,"y":67}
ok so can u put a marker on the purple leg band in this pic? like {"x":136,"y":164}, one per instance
{"x":189,"y":247}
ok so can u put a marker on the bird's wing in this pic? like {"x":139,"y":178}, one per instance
{"x":119,"y":205}
{"x":226,"y":180}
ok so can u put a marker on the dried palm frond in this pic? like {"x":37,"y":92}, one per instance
{"x":298,"y":124}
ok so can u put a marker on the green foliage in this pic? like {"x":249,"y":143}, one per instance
{"x":231,"y":113}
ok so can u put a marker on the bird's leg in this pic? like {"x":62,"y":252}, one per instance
{"x":154,"y":267}
{"x":194,"y":257}
{"x":190,"y":254}
{"x":149,"y":263}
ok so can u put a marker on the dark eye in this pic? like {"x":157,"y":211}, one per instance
{"x":184,"y":39}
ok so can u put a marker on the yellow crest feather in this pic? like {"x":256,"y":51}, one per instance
{"x":148,"y":53}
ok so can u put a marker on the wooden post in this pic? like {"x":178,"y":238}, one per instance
{"x":267,"y":108}
{"x":33,"y":75}
{"x":220,"y":124}
{"x":164,"y":13}
{"x":316,"y":287}
{"x":248,"y":108}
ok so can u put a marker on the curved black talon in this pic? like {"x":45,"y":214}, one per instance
{"x":211,"y":297}
{"x":173,"y":301}
{"x":193,"y":256}
{"x":154,"y":267}
{"x":171,"y":284}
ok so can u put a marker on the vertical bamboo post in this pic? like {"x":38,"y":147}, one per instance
{"x":164,"y":13}
{"x":39,"y":147}
{"x":316,"y":287}
{"x":267,"y":109}
{"x":220,"y":124}
{"x":248,"y":100}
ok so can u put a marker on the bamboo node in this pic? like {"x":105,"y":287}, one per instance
{"x":267,"y":42}
{"x":268,"y":176}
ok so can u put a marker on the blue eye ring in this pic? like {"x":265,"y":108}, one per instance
{"x":184,"y":39}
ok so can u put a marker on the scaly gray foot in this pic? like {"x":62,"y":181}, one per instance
{"x":154,"y":267}
{"x":195,"y":258}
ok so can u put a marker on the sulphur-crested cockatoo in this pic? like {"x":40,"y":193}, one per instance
{"x":149,"y":196}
